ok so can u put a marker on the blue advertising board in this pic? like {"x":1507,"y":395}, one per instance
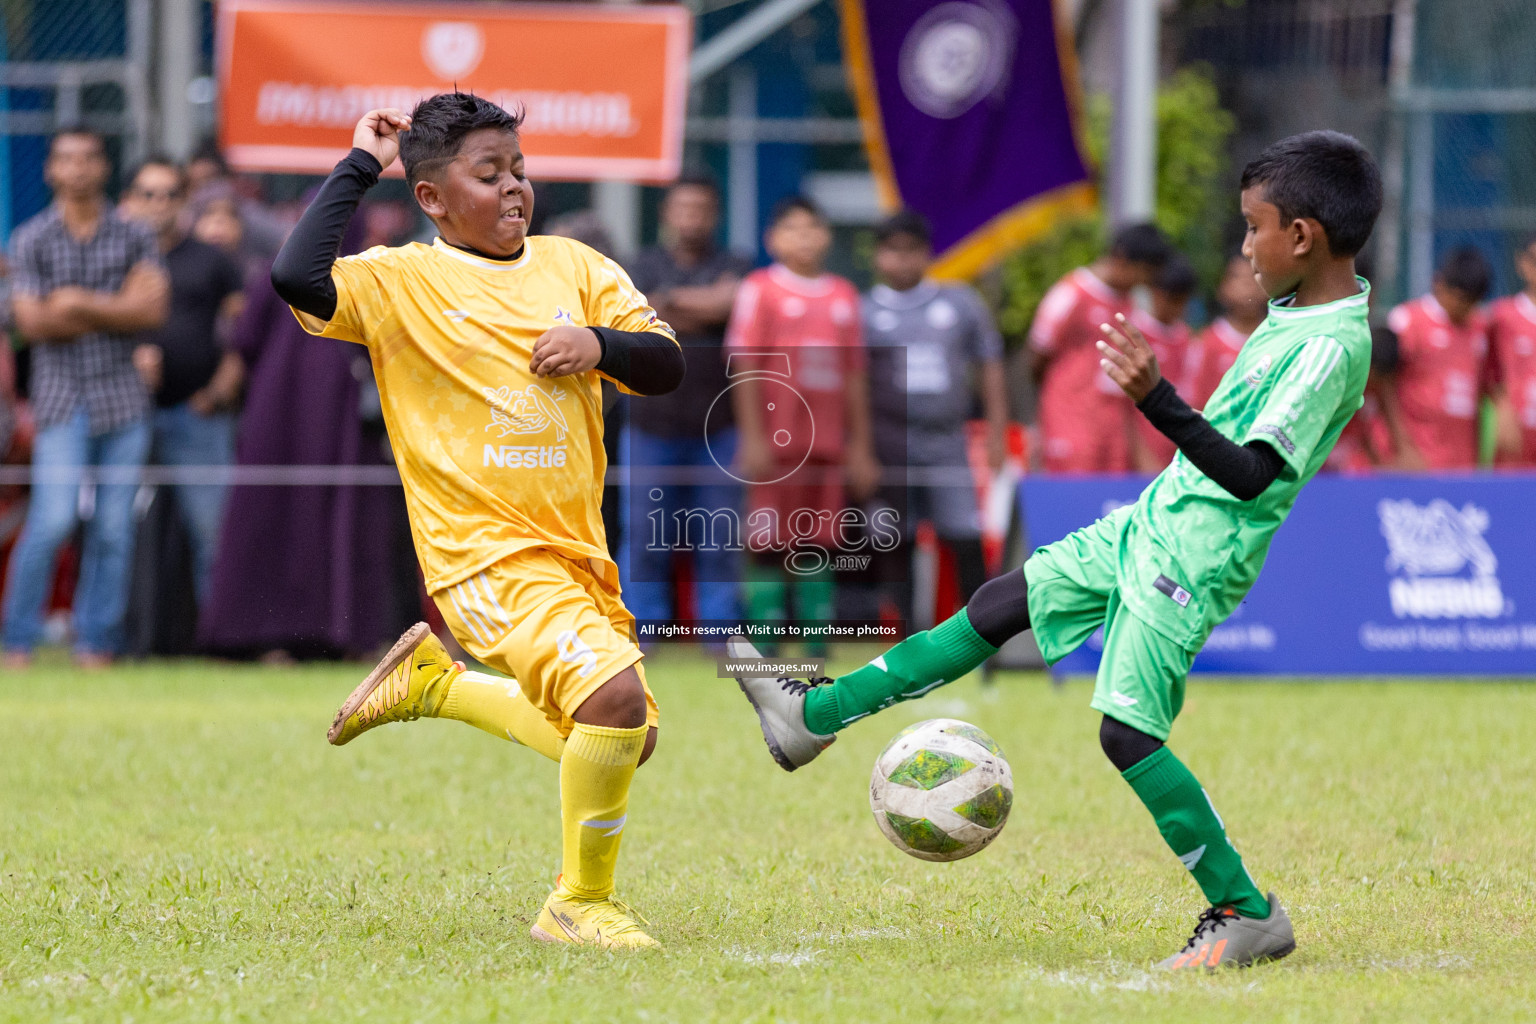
{"x":1371,"y":575}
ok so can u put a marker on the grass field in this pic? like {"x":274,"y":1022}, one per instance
{"x":177,"y":843}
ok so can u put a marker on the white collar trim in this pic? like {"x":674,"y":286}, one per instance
{"x":1092,"y":283}
{"x":1231,"y":335}
{"x":1436,"y":311}
{"x":920,"y":294}
{"x":799,"y":283}
{"x":438,"y":245}
{"x":1362,"y":298}
{"x":1526,"y":306}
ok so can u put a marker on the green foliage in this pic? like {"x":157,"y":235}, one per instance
{"x":1194,"y":200}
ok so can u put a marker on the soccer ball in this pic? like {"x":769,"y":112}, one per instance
{"x":941,"y":790}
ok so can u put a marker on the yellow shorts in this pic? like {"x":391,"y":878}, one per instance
{"x":549,"y":623}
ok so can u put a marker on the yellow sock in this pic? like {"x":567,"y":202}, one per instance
{"x":595,"y":774}
{"x":498,"y":706}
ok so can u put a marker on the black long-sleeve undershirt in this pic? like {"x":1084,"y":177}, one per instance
{"x":1244,"y":471}
{"x":302,"y":271}
{"x":646,"y":362}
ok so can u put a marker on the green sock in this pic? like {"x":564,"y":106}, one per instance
{"x":1191,"y":827}
{"x":765,"y":599}
{"x":910,"y":669}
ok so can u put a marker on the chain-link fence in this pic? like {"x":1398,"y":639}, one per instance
{"x":67,"y":62}
{"x":1464,"y":122}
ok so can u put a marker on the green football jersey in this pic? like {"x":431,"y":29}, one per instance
{"x":1190,"y":550}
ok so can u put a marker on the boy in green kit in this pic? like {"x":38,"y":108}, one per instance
{"x":1159,"y":575}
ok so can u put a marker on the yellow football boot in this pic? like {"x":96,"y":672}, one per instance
{"x":410,"y":682}
{"x":603,"y":923}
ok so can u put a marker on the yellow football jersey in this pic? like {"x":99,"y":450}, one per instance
{"x":494,"y":459}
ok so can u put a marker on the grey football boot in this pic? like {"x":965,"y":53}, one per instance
{"x":780,"y":706}
{"x":1224,"y":938}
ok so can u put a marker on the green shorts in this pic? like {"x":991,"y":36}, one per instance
{"x":1072,"y":592}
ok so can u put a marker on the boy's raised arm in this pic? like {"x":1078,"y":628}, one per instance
{"x":302,"y":272}
{"x":1243,"y":471}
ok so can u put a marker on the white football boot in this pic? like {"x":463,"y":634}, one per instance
{"x":780,"y":706}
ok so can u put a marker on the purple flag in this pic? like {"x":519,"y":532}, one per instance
{"x":969,"y":119}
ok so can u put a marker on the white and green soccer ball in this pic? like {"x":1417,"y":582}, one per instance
{"x":941,"y":790}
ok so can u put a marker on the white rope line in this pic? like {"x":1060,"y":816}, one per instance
{"x":388,"y":476}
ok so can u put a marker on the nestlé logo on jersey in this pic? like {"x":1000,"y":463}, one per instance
{"x":1441,"y":565}
{"x":528,"y":412}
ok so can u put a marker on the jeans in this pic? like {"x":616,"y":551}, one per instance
{"x":101,"y":597}
{"x":644,"y":566}
{"x":185,"y":438}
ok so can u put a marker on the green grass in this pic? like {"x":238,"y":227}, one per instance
{"x":177,"y":842}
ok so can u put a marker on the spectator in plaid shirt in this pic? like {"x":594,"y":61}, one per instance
{"x":84,"y":281}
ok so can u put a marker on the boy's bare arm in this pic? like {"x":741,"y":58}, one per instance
{"x":1408,"y":455}
{"x":863,"y":469}
{"x":994,"y":403}
{"x":753,"y":456}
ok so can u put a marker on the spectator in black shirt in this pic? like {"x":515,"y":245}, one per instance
{"x":691,"y":283}
{"x":195,"y":380}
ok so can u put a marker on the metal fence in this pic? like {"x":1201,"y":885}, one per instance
{"x":1464,"y":108}
{"x":66,"y":62}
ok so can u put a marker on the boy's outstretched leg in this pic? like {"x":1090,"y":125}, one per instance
{"x":1242,"y":926}
{"x":799,"y":718}
{"x":601,"y":755}
{"x":418,"y":679}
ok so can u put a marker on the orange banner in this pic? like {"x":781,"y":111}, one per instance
{"x":604,"y":87}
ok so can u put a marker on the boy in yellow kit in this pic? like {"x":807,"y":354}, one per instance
{"x":488,"y":346}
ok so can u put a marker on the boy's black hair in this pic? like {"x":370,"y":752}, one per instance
{"x":697,"y":179}
{"x":904,"y":222}
{"x":1323,"y":176}
{"x":79,"y":129}
{"x":1465,"y":269}
{"x":439,"y":125}
{"x":1141,"y":243}
{"x":792,"y":204}
{"x":157,"y":160}
{"x":1177,"y":276}
{"x":209,"y":150}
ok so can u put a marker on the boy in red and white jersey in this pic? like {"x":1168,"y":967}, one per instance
{"x":1512,"y":365}
{"x":801,"y":399}
{"x":1243,"y":306}
{"x":1429,"y":399}
{"x":1172,"y":343}
{"x":1087,"y":425}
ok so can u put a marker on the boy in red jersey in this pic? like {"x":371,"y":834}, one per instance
{"x":1429,"y":398}
{"x":797,"y":455}
{"x":1170,"y":339}
{"x":1243,"y":308}
{"x":1086,"y":422}
{"x":1512,"y":365}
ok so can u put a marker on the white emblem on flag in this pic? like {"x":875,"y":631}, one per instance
{"x":452,"y":49}
{"x":956,"y":55}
